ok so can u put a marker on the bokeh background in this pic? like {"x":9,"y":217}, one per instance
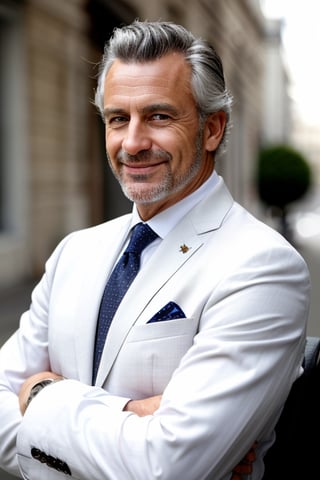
{"x":54,"y":176}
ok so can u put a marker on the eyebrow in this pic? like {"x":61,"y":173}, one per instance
{"x":114,"y":111}
{"x":154,"y":107}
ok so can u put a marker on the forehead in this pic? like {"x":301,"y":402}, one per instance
{"x":168,"y":77}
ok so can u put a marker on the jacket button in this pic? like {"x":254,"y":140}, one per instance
{"x":51,"y":461}
{"x":35,"y":452}
{"x":38,"y":455}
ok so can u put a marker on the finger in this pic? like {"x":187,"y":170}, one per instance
{"x":243,"y":469}
{"x":250,"y":457}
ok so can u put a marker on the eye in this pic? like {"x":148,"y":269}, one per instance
{"x":160,"y":117}
{"x":117,"y":121}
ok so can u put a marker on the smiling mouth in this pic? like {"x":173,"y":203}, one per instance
{"x":141,"y":167}
{"x":144,"y":159}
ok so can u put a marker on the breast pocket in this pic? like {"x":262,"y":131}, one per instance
{"x":149,"y":357}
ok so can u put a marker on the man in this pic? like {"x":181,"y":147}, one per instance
{"x":197,"y":360}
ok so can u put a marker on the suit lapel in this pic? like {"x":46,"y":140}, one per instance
{"x":98,"y":262}
{"x":171,"y":257}
{"x":174,"y":251}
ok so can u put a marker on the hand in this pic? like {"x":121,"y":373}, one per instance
{"x":29,"y":383}
{"x":146,"y":406}
{"x":244,"y":467}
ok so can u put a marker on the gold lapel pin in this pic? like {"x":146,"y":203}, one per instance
{"x":184,"y":248}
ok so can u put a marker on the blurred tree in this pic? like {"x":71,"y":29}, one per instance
{"x":283,"y":177}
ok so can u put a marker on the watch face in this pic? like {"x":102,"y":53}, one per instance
{"x":37,"y":387}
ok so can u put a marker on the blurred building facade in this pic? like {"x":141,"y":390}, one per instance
{"x":54,"y":173}
{"x":306,"y":138}
{"x":277,"y":107}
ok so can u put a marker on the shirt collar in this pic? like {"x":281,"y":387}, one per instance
{"x":165,"y":221}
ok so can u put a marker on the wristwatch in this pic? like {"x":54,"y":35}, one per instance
{"x":38,"y":387}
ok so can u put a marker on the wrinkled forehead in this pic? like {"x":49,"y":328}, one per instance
{"x":169,"y":76}
{"x":170,"y":67}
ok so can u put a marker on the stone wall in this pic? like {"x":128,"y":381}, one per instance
{"x":65,"y":177}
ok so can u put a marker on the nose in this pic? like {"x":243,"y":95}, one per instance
{"x":136,"y":138}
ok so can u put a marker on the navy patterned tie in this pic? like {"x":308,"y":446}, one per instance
{"x":120,"y":280}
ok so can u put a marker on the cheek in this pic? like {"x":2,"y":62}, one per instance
{"x":174,"y":141}
{"x":112,"y":143}
{"x":185,"y":146}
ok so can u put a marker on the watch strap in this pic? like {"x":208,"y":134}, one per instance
{"x":38,"y":387}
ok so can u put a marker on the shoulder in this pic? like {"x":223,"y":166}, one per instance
{"x":258,"y":243}
{"x":93,"y":237}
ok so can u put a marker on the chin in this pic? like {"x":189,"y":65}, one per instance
{"x":144,"y":195}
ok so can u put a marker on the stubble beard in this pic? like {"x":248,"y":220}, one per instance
{"x":168,"y":185}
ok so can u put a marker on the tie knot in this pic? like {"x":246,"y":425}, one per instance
{"x":141,"y":237}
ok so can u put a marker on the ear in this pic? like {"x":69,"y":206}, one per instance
{"x":214,"y":130}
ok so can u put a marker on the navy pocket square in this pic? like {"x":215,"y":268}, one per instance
{"x":169,"y":312}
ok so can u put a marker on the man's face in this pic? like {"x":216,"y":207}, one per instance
{"x":155,"y":145}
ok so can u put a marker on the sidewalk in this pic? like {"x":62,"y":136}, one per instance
{"x":6,"y":476}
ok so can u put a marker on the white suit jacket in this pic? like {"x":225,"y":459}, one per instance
{"x":225,"y":369}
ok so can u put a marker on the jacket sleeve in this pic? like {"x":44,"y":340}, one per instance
{"x":226,"y":393}
{"x":24,"y":353}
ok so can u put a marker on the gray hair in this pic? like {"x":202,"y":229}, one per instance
{"x":148,"y":41}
